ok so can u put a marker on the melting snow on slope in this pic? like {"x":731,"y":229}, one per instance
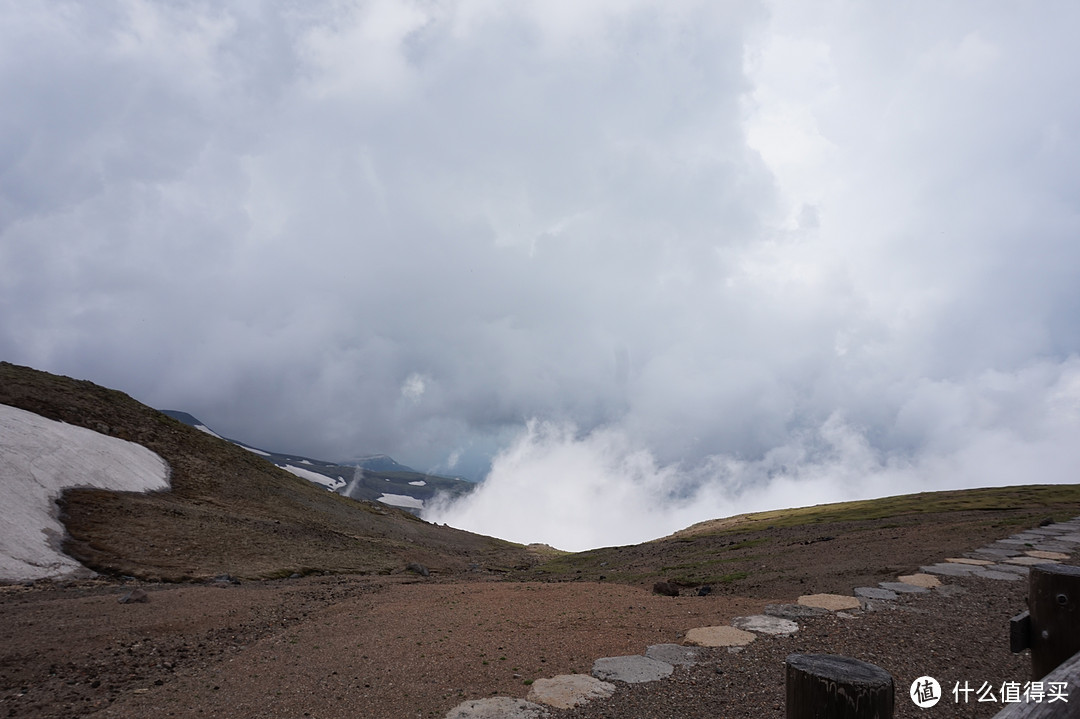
{"x":418,"y":483}
{"x":204,"y":428}
{"x":38,"y":458}
{"x":402,"y":500}
{"x":322,"y":479}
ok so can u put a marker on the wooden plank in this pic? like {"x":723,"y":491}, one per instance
{"x":1069,"y":672}
{"x":1020,"y":632}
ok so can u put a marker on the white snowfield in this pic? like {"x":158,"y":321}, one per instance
{"x":204,"y":428}
{"x":402,"y":500}
{"x":331,"y":484}
{"x":40,"y":457}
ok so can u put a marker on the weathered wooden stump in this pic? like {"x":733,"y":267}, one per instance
{"x":1054,"y":604}
{"x":824,"y":686}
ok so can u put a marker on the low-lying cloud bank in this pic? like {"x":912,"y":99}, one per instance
{"x":735,"y":255}
{"x":582,"y":490}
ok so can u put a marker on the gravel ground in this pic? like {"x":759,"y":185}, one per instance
{"x":957,"y":635}
{"x":403,"y":647}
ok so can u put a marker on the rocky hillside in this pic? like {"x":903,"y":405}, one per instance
{"x":229,"y":511}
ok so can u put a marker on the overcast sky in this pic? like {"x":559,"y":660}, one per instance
{"x":653,"y":262}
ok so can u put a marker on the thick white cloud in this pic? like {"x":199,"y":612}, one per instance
{"x":697,"y":233}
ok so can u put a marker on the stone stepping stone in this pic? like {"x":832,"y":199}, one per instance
{"x":1004,"y":576}
{"x":497,"y":708}
{"x":719,"y":637}
{"x":1014,"y":542}
{"x":997,"y":552}
{"x":1071,"y":538}
{"x":832,"y":602}
{"x":968,"y":560}
{"x":567,"y":691}
{"x":1043,"y":554}
{"x":926,"y":581}
{"x":949,"y":570}
{"x":794,"y":611}
{"x":634,"y":669}
{"x":903,"y":587}
{"x":764,"y":624}
{"x":875,"y":593}
{"x":1055,"y":547}
{"x":1030,"y":561}
{"x":673,"y":654}
{"x":1014,"y":568}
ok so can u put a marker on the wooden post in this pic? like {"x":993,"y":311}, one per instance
{"x":1054,"y":604}
{"x":824,"y":686}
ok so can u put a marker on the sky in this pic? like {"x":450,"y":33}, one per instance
{"x":637,"y":263}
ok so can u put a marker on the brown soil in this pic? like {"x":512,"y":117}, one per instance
{"x":404,"y":646}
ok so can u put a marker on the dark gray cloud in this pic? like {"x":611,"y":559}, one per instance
{"x":743,"y":254}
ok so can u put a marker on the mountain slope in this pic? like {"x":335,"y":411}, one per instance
{"x":377,"y":477}
{"x":229,"y":510}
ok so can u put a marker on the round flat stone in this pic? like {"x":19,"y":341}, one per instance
{"x":903,"y":587}
{"x":794,"y":611}
{"x":875,"y":593}
{"x":566,"y":691}
{"x":994,"y":552}
{"x":1041,"y":554}
{"x":968,"y":560}
{"x":634,"y":669}
{"x":832,"y":602}
{"x":1002,"y":576}
{"x":497,"y":708}
{"x":926,"y":581}
{"x":719,"y":637}
{"x":1029,"y":561}
{"x":673,"y":654}
{"x":1014,"y":568}
{"x":949,"y":570}
{"x":1055,"y":547}
{"x":764,"y":624}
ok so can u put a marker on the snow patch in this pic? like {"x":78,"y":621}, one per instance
{"x":252,"y":449}
{"x":418,"y":483}
{"x":328,"y":482}
{"x":305,"y":461}
{"x":204,"y":428}
{"x":39,"y":458}
{"x":402,"y":500}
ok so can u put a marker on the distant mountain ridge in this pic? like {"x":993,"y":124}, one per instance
{"x":375,"y":477}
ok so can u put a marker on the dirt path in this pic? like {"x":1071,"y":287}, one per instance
{"x":403,"y":646}
{"x":320,"y":647}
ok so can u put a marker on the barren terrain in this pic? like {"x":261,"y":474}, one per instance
{"x":407,"y":646}
{"x":267,"y":596}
